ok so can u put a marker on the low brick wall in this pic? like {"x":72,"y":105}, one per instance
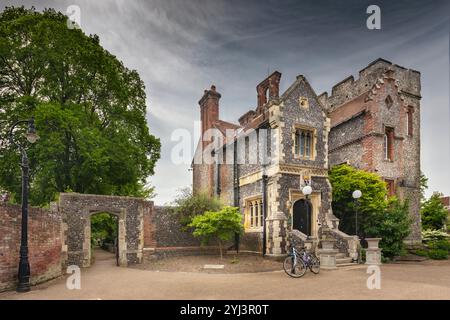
{"x":44,"y":244}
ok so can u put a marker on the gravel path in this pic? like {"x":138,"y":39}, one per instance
{"x":425,"y":280}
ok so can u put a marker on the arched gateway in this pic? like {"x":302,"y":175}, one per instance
{"x":134,"y":216}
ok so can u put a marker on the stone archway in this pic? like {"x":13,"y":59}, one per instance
{"x":120,"y":259}
{"x":132,"y":213}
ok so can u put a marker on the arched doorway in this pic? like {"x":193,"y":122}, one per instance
{"x":302,"y":216}
{"x":104,"y":237}
{"x":134,"y":218}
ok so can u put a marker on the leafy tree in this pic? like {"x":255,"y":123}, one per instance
{"x":434,"y":215}
{"x":423,"y":186}
{"x":90,"y":110}
{"x":103,"y":227}
{"x":378,"y":216}
{"x":346,"y":179}
{"x":221,"y":225}
{"x":187,"y":205}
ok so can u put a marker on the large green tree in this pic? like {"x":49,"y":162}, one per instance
{"x":434,"y":215}
{"x":90,"y":110}
{"x":378,"y":215}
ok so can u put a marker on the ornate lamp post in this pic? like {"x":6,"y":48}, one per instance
{"x":24,"y":266}
{"x":307,"y":190}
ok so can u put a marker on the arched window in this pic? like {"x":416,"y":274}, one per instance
{"x":409,"y":121}
{"x":389,"y":102}
{"x":388,"y":144}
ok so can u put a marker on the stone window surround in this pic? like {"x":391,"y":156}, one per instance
{"x":315,"y":198}
{"x":313,"y":151}
{"x":303,"y":102}
{"x":252,"y":200}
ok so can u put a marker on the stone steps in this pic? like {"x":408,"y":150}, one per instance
{"x":346,"y":260}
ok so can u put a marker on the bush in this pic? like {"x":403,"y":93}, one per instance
{"x":392,"y":226}
{"x":438,"y":254}
{"x":378,"y":216}
{"x":433,"y":235}
{"x":187,"y":205}
{"x":439,"y":244}
{"x":222,"y":225}
{"x":421,"y":252}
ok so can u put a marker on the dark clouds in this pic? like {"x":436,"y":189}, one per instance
{"x":181,"y":47}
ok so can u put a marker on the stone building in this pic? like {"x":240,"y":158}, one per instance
{"x":291,"y":140}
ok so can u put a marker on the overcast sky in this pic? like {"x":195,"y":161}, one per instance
{"x":181,"y":47}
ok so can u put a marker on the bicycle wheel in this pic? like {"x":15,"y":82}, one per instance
{"x":294,"y":270}
{"x":314,"y":264}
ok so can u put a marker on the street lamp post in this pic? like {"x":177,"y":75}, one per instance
{"x":356,"y":195}
{"x":24,"y":265}
{"x":307,"y":190}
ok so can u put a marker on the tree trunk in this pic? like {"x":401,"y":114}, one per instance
{"x":220,"y":249}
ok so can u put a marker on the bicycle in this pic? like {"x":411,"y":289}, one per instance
{"x":298,"y":261}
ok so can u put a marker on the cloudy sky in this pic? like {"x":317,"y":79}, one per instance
{"x":181,"y":47}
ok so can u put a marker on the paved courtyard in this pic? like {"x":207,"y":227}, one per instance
{"x":426,"y":280}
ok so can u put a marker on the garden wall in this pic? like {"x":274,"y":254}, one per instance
{"x":171,"y":239}
{"x":44,"y":244}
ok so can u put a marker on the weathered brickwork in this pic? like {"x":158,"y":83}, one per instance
{"x":359,"y":115}
{"x":44,"y":244}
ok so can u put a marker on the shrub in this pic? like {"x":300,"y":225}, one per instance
{"x":187,"y":205}
{"x":433,"y":235}
{"x":438,"y":254}
{"x":221,"y":225}
{"x":377,"y":215}
{"x":392,"y":226}
{"x":421,"y":252}
{"x":439,"y":244}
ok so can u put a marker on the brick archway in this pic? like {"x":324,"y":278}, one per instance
{"x":133,"y":215}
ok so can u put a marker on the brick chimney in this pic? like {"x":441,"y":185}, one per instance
{"x":209,"y":108}
{"x":268,"y":89}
